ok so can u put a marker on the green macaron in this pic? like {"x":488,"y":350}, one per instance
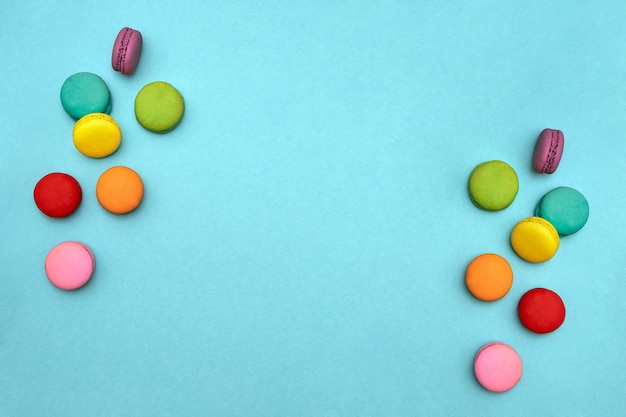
{"x":566,"y":208}
{"x":159,"y":107}
{"x":493,"y":185}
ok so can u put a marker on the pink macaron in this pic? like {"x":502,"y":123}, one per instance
{"x":497,"y":367}
{"x":69,"y":265}
{"x":126,"y":51}
{"x":548,"y":151}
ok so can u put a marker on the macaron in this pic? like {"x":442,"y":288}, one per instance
{"x":548,"y":151}
{"x":534,"y":239}
{"x":566,"y":208}
{"x":84,"y":93}
{"x":541,"y":310}
{"x":489,"y":277}
{"x":126,"y":50}
{"x":57,"y":194}
{"x":119,"y":190}
{"x":493,"y":185}
{"x":159,"y":107}
{"x":498,"y":367}
{"x":97,"y":135}
{"x":69,"y":265}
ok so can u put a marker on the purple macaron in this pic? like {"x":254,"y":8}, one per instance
{"x":548,"y":151}
{"x":126,"y":51}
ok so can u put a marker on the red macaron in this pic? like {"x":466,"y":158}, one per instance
{"x":541,"y":310}
{"x":58,"y":194}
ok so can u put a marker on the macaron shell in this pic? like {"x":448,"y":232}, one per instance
{"x":566,"y":208}
{"x":493,"y":185}
{"x":126,"y":51}
{"x":541,"y":310}
{"x":97,"y":135}
{"x":69,"y":265}
{"x":548,"y":151}
{"x":159,"y":107}
{"x":57,"y":194}
{"x":119,"y":190}
{"x":84,"y":93}
{"x":497,"y":367}
{"x":534,"y":239}
{"x":489,"y":277}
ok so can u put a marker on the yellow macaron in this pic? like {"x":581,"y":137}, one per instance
{"x":97,"y":135}
{"x":535,"y":239}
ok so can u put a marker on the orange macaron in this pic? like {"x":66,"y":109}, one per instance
{"x":119,"y":190}
{"x":489,"y":277}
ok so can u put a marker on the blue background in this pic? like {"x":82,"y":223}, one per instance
{"x":301,"y":247}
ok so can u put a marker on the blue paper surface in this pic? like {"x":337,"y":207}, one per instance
{"x":301,"y":246}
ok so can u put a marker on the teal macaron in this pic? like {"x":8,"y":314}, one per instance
{"x":566,"y":208}
{"x":84,"y":93}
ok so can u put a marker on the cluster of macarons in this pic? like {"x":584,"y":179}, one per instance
{"x":85,"y":96}
{"x":563,"y":211}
